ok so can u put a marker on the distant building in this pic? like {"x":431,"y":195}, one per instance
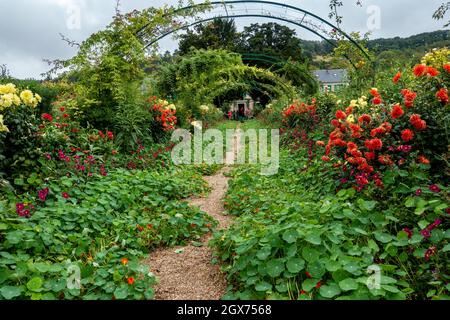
{"x":243,"y":108}
{"x":331,"y":80}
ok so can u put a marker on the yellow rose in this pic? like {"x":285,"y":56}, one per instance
{"x":26,"y":95}
{"x":3,"y":128}
{"x":7,"y":88}
{"x":6,"y":100}
{"x":16,"y":100}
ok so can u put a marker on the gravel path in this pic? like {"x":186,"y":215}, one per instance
{"x":186,"y":273}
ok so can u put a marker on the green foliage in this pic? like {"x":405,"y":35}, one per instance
{"x":202,"y":76}
{"x":307,"y":242}
{"x":103,"y":221}
{"x":215,"y":35}
{"x":19,"y":147}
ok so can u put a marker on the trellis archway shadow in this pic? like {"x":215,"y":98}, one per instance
{"x":234,"y":9}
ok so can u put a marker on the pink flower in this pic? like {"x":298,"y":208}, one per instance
{"x":65,"y":195}
{"x":418,"y":192}
{"x":434,"y":188}
{"x":43,"y":194}
{"x":425,"y":233}
{"x":409,"y":232}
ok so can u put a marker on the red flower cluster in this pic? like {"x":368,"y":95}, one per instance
{"x":407,"y":135}
{"x":442,"y":95}
{"x":397,"y":112}
{"x":166,"y":117}
{"x":47,"y":117}
{"x":417,"y":122}
{"x":23,"y":210}
{"x":447,"y":67}
{"x":409,"y":97}
{"x":42,"y":194}
{"x":397,"y":77}
{"x":421,"y":70}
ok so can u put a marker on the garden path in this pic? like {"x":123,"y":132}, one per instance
{"x":186,"y":273}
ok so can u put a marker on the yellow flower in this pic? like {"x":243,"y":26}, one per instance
{"x":354,"y":103}
{"x":7,"y":88}
{"x":6,"y":100}
{"x":26,"y":95}
{"x":16,"y":100}
{"x":3,"y":128}
{"x":204,"y":109}
{"x":351,"y":119}
{"x":38,"y":98}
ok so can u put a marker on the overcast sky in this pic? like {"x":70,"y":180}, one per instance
{"x":29,"y":29}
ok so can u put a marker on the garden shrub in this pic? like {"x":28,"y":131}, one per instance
{"x":102,"y":226}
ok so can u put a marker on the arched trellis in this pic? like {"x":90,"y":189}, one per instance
{"x":234,"y":9}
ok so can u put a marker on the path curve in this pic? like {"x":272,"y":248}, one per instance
{"x":186,"y":272}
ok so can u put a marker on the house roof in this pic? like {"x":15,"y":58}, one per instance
{"x":331,"y":75}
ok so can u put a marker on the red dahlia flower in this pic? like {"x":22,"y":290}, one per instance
{"x":447,"y":67}
{"x":442,"y":95}
{"x":397,"y":112}
{"x":47,"y":117}
{"x":417,"y":122}
{"x":432,"y":72}
{"x":365,"y":118}
{"x":377,"y":100}
{"x":341,"y":115}
{"x":130,"y":281}
{"x":423,"y":159}
{"x":374,"y":92}
{"x":374,"y":144}
{"x":407,"y":135}
{"x":397,"y":77}
{"x":420,"y":70}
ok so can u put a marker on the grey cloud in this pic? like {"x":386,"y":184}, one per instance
{"x":29,"y":30}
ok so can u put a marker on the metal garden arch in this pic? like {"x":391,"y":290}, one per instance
{"x":232,"y":9}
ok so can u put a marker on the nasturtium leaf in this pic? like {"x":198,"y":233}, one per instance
{"x":348,"y":284}
{"x":410,"y":203}
{"x":367,"y":205}
{"x":313,"y":238}
{"x":121,"y":292}
{"x":10,"y":292}
{"x":309,"y":284}
{"x":282,"y":287}
{"x":290,"y":236}
{"x":353,"y":268}
{"x":263,"y":286}
{"x":390,"y":288}
{"x":264,"y":253}
{"x":329,"y":291}
{"x":294,"y":265}
{"x":310,"y":254}
{"x":332,"y":265}
{"x":383,"y":237}
{"x":446,"y":248}
{"x":275,"y":267}
{"x":316,"y":269}
{"x":291,"y":250}
{"x":35,"y":284}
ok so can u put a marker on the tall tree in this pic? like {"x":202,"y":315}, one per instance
{"x":217,"y":34}
{"x":271,"y":39}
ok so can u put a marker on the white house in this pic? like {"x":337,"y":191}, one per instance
{"x":331,"y":80}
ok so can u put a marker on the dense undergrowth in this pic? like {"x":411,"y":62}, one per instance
{"x":296,"y":238}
